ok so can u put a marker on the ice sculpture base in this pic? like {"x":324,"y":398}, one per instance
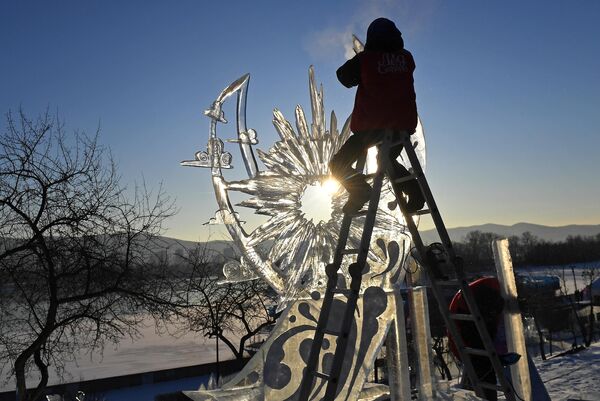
{"x":274,"y":373}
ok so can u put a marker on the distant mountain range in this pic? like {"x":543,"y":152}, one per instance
{"x":173,"y":247}
{"x":547,"y":233}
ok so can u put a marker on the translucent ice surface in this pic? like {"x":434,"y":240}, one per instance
{"x":302,"y":202}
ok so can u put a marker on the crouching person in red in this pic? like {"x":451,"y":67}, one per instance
{"x":486,"y":292}
{"x":385,"y":99}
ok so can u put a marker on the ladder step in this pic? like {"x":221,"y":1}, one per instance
{"x":477,"y":351}
{"x":462,"y":316}
{"x":404,"y":179}
{"x":350,"y":252}
{"x":420,"y":212}
{"x":321,"y":375}
{"x":343,"y":291}
{"x":332,"y":332}
{"x":490,"y":386}
{"x":448,"y":283}
{"x":360,"y":213}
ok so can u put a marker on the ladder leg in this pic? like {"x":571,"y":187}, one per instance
{"x":435,"y":215}
{"x":355,"y":270}
{"x":309,"y":376}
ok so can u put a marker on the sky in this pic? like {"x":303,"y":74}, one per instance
{"x":508,"y":92}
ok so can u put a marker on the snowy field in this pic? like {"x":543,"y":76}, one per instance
{"x":568,"y":377}
{"x":575,"y":376}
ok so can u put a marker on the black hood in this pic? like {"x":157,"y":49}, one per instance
{"x":383,"y":35}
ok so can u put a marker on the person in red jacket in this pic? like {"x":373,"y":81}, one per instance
{"x":486,"y":292}
{"x":385,"y":99}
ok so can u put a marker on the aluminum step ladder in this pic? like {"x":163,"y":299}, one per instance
{"x":438,"y":281}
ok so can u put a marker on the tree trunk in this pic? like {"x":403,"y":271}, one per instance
{"x":445,"y":371}
{"x":232,"y":347}
{"x":43,"y":368}
{"x":590,"y":333}
{"x":20,"y":364}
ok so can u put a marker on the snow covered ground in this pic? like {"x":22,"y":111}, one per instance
{"x":568,"y":377}
{"x":574,"y":376}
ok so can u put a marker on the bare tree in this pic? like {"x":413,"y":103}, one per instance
{"x":476,"y":251}
{"x":76,"y":263}
{"x":564,"y":292}
{"x":441,"y":355}
{"x":232,"y":312}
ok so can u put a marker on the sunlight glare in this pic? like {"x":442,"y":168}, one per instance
{"x":330,"y":186}
{"x":372,"y":160}
{"x":316,"y":201}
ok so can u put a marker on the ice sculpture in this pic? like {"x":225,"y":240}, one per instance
{"x":300,"y":243}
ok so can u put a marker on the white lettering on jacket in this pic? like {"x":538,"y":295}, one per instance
{"x":390,"y":62}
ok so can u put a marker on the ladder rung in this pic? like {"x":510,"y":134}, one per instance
{"x":360,"y":213}
{"x":490,"y":386}
{"x":344,"y":291}
{"x":332,"y":332}
{"x":477,"y":351}
{"x":350,"y":252}
{"x":448,"y":283}
{"x":404,"y":179}
{"x":462,"y":316}
{"x":321,"y":375}
{"x":420,"y":212}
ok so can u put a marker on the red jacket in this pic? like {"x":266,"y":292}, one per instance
{"x":386,"y":96}
{"x":486,"y":292}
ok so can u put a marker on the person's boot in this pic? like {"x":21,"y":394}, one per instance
{"x":416,"y":201}
{"x":359,"y":193}
{"x":509,"y":359}
{"x":411,"y":188}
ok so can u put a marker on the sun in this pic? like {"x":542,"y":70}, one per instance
{"x":316,"y":203}
{"x":330,"y":186}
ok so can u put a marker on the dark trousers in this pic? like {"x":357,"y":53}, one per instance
{"x":485,"y":373}
{"x":481,"y":364}
{"x":357,"y":145}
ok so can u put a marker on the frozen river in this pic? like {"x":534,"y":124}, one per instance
{"x":148,"y":353}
